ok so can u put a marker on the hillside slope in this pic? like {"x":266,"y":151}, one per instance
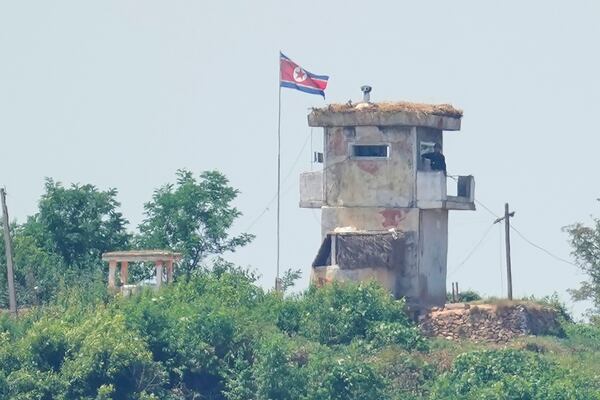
{"x":219,"y":336}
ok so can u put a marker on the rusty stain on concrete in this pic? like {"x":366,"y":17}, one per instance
{"x":392,"y":217}
{"x":370,"y":167}
{"x":337,"y":142}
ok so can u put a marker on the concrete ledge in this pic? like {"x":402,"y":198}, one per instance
{"x":382,"y":118}
{"x":459,"y":203}
{"x":431,"y":204}
{"x":310,"y":203}
{"x":141,"y":255}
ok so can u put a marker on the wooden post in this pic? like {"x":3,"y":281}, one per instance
{"x":507,"y":216}
{"x":457,"y":292}
{"x":124,"y":272}
{"x":159,"y":273}
{"x":112,"y":269}
{"x":453,"y":293}
{"x":12,"y":298}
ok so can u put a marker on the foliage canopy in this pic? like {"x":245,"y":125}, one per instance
{"x":193,"y":216}
{"x":219,"y":336}
{"x":585,"y":243}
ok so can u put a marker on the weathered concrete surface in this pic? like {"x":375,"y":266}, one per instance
{"x":369,"y":218}
{"x":311,"y":189}
{"x":431,"y":189}
{"x":386,"y":257}
{"x":384,"y":188}
{"x":141,"y":256}
{"x":433,"y":251}
{"x":368,"y":117}
{"x":384,"y":182}
{"x":419,"y":267}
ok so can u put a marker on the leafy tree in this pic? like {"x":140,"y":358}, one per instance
{"x":77,"y":223}
{"x":585,"y":243}
{"x":38,"y":273}
{"x":193,"y":216}
{"x":289,"y":278}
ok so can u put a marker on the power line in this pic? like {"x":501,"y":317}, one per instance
{"x":483,"y":237}
{"x":268,"y":206}
{"x":541,"y":248}
{"x":291,"y":170}
{"x":306,"y":140}
{"x":486,"y":208}
{"x":529,"y":241}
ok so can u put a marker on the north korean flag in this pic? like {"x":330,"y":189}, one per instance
{"x":292,"y":76}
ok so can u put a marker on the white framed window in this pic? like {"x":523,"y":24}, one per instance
{"x":369,"y":150}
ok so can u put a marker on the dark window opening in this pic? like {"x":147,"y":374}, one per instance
{"x":370,"y":150}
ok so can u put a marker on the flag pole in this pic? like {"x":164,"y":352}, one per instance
{"x":277,"y":286}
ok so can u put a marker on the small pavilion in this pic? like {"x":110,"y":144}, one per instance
{"x":161,"y":258}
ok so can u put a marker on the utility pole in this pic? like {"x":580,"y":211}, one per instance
{"x":506,"y":219}
{"x":12,"y":300}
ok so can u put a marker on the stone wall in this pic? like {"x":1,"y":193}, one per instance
{"x":490,"y":322}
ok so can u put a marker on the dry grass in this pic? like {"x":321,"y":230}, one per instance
{"x":444,"y":110}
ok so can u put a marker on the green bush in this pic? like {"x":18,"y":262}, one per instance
{"x":105,"y":353}
{"x":32,"y":384}
{"x":277,"y":372}
{"x":344,"y":378}
{"x":510,"y":374}
{"x":218,"y":336}
{"x":387,"y":333}
{"x":587,"y":334}
{"x":465,"y":297}
{"x":45,"y":345}
{"x":340,"y":313}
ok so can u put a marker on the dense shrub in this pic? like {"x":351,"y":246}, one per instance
{"x":586,"y":334}
{"x":340,"y":313}
{"x":510,"y":374}
{"x":344,"y":378}
{"x":216,"y":335}
{"x":278,"y":373}
{"x":464,"y":297}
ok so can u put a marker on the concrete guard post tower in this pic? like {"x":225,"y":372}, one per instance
{"x":384,"y":212}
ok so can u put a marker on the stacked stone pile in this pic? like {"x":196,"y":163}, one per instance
{"x":486,"y":322}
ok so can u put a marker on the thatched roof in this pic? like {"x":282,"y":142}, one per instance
{"x":444,"y":110}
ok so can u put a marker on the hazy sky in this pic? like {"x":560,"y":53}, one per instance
{"x":122,"y":93}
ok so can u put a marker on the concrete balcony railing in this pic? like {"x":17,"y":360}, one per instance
{"x":311,"y":189}
{"x":432,"y":191}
